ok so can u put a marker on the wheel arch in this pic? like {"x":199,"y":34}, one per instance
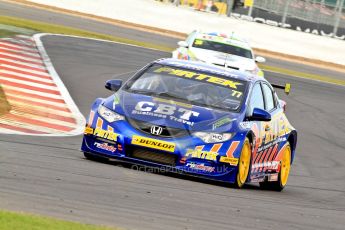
{"x":251,"y":136}
{"x":292,"y":139}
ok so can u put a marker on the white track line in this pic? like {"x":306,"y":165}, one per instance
{"x":25,"y":109}
{"x":3,"y":130}
{"x":80,"y":119}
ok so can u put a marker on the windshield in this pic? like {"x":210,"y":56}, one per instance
{"x":222,"y":47}
{"x":190,"y":86}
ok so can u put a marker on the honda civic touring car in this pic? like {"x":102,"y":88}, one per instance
{"x":197,"y":119}
{"x":219,"y":49}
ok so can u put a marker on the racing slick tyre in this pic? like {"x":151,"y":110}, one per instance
{"x":244,"y":164}
{"x":283,"y":175}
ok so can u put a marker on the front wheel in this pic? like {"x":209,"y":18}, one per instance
{"x":244,"y":164}
{"x":283,"y":176}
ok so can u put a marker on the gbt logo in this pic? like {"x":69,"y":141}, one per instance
{"x":146,"y":106}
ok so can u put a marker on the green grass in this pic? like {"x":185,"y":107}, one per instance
{"x":4,"y":105}
{"x":303,"y":75}
{"x":58,"y":29}
{"x":6,"y":33}
{"x":21,"y":221}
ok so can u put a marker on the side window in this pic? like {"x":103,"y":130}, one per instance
{"x":190,"y":38}
{"x":257,"y":99}
{"x":269,"y":99}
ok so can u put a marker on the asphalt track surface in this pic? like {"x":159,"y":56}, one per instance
{"x":50,"y":176}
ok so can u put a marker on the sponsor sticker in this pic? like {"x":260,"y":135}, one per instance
{"x":200,"y":77}
{"x":109,"y":135}
{"x":269,"y":165}
{"x":221,"y":122}
{"x":273,"y":177}
{"x":153,"y":143}
{"x":198,"y":42}
{"x":201,"y":154}
{"x":200,"y":167}
{"x":229,"y":160}
{"x":88,"y":130}
{"x":245,"y":125}
{"x":105,"y":146}
{"x":166,"y":111}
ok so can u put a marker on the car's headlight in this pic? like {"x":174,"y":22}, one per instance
{"x":253,"y":71}
{"x":213,"y":137}
{"x":109,"y":115}
{"x":199,"y":59}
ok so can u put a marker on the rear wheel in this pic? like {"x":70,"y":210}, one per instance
{"x":244,"y":164}
{"x":283,"y":176}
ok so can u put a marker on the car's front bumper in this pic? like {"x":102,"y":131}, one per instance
{"x":185,"y":157}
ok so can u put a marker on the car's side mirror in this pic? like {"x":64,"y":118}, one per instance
{"x":182,"y":44}
{"x":259,"y":59}
{"x":286,"y":87}
{"x":260,"y":115}
{"x":113,"y":85}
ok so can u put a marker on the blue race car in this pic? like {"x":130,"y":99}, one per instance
{"x":194,"y":118}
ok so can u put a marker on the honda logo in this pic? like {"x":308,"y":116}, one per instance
{"x":156,"y":130}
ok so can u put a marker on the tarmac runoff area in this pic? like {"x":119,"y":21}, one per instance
{"x":184,"y":20}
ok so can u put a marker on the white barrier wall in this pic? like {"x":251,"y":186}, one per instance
{"x":156,"y":14}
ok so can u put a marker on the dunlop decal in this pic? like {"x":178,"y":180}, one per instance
{"x":153,"y":143}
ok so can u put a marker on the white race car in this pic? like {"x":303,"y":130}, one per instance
{"x":224,"y":50}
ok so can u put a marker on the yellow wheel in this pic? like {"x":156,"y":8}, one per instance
{"x":285,"y":165}
{"x":244,"y":164}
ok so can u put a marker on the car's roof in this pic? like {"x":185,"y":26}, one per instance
{"x":208,"y":68}
{"x":229,"y":38}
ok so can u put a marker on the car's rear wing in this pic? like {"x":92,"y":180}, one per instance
{"x":286,"y":87}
